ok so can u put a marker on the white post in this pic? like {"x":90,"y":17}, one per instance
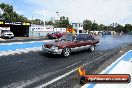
{"x":44,"y":18}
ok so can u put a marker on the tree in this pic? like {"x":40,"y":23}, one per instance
{"x":38,"y":22}
{"x":101,"y":27}
{"x":119,"y":28}
{"x":94,"y":27}
{"x":87,"y":24}
{"x":10,"y":15}
{"x":105,"y":28}
{"x":63,"y":22}
{"x":49,"y":23}
{"x":127,"y":28}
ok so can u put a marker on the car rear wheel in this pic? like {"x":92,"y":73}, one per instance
{"x":66,"y":52}
{"x":3,"y":37}
{"x":92,"y":48}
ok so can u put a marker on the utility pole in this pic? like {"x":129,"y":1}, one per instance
{"x":1,"y":12}
{"x":32,"y":20}
{"x":44,"y":19}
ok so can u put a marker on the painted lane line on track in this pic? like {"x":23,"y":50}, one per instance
{"x":22,"y":84}
{"x":6,"y":53}
{"x":14,"y":47}
{"x":9,"y":50}
{"x":111,"y":67}
{"x":107,"y":70}
{"x":24,"y":42}
{"x":86,"y":64}
{"x":62,"y":76}
{"x":56,"y":79}
{"x":27,"y":48}
{"x":35,"y":47}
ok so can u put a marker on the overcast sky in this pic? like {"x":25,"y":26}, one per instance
{"x":102,"y":11}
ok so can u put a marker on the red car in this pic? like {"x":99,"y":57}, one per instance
{"x":70,"y":43}
{"x":55,"y":35}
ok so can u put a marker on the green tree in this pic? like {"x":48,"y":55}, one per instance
{"x":87,"y":24}
{"x":106,"y":28}
{"x":101,"y":27}
{"x":49,"y":23}
{"x":127,"y":28}
{"x":94,"y":27}
{"x":10,"y":15}
{"x":119,"y":28}
{"x":63,"y":22}
{"x":38,"y":22}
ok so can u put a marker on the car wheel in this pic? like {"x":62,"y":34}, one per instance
{"x":66,"y":52}
{"x":3,"y":37}
{"x":12,"y":37}
{"x":92,"y":48}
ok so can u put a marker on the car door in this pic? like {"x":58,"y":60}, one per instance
{"x":86,"y":42}
{"x":79,"y":43}
{"x":89,"y":41}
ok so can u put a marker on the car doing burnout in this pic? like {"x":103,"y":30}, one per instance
{"x":70,"y":43}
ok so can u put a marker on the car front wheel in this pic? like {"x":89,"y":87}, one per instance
{"x":92,"y":48}
{"x":3,"y":37}
{"x":66,"y":52}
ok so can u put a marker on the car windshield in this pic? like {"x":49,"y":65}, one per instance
{"x":68,"y":37}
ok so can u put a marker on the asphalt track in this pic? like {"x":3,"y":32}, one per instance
{"x":35,"y":69}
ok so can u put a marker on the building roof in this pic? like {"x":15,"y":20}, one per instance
{"x":34,"y":25}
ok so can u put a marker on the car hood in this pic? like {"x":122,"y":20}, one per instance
{"x":58,"y":43}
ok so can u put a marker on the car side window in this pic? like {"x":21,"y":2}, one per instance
{"x":80,"y":38}
{"x":89,"y":37}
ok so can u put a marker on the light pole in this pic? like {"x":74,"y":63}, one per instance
{"x":44,"y":18}
{"x":56,"y":18}
{"x":1,"y":12}
{"x":57,"y":15}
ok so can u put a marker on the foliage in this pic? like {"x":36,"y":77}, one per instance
{"x":10,"y":15}
{"x":63,"y":22}
{"x":37,"y":22}
{"x":87,"y":24}
{"x":101,"y":27}
{"x":49,"y":23}
{"x":95,"y":27}
{"x":119,"y":28}
{"x":127,"y":28}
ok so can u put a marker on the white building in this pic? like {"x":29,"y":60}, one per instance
{"x":77,"y":25}
{"x":80,"y":30}
{"x":60,"y":30}
{"x":40,"y":30}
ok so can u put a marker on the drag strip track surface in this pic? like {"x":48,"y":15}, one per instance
{"x":35,"y":69}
